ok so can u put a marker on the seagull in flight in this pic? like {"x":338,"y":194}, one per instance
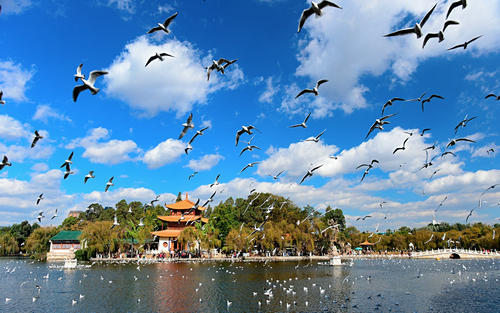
{"x":417,"y":29}
{"x":158,"y":56}
{"x":198,"y":133}
{"x":463,"y":122}
{"x":469,"y":215}
{"x":35,"y":140}
{"x":79,"y":74}
{"x":465,"y":44}
{"x":40,"y":197}
{"x":163,"y":26}
{"x":68,"y":171}
{"x":54,"y":216}
{"x":115,"y":222}
{"x":424,"y":130}
{"x":310,"y":173}
{"x":315,"y":8}
{"x":249,"y":148}
{"x":5,"y":162}
{"x":89,"y":175}
{"x":2,"y":102}
{"x":390,"y":102}
{"x":489,"y":188}
{"x":363,"y":218}
{"x":315,"y":139}
{"x":454,"y":141}
{"x":440,"y":34}
{"x":429,"y":99}
{"x":244,"y":129}
{"x":187,"y":126}
{"x":368,"y":168}
{"x":192,"y":175}
{"x":275,"y":177}
{"x":216,"y":182}
{"x":314,"y":90}
{"x":88,"y":84}
{"x":455,"y":4}
{"x":303,"y":124}
{"x":401,"y":148}
{"x":448,"y":152}
{"x":492,"y":95}
{"x":249,"y":165}
{"x":40,"y":216}
{"x":379,"y":123}
{"x":109,"y":184}
{"x":432,"y":236}
{"x":209,"y":199}
{"x":218,"y":66}
{"x":68,"y":161}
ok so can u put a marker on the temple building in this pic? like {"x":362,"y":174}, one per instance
{"x":63,"y":245}
{"x":182,"y":215}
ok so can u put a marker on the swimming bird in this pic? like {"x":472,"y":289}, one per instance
{"x":158,"y":56}
{"x":5,"y":162}
{"x":115,"y":222}
{"x":109,"y":184}
{"x":303,"y":124}
{"x":492,"y":95}
{"x":454,"y":141}
{"x":390,"y":102}
{"x":35,"y":140}
{"x":244,"y":129}
{"x":316,"y":139}
{"x":429,"y":99}
{"x":88,"y":84}
{"x":310,"y":173}
{"x":401,"y":148}
{"x":378,"y":124}
{"x":249,"y":148}
{"x":249,"y":165}
{"x":187,"y":126}
{"x":465,"y":44}
{"x":489,"y":188}
{"x":417,"y":29}
{"x":68,"y":171}
{"x":315,"y":8}
{"x":68,"y":161}
{"x":464,"y":122}
{"x":163,"y":26}
{"x":216,"y":182}
{"x":314,"y":90}
{"x":79,"y":74}
{"x":192,"y":175}
{"x":40,"y":197}
{"x":440,"y":34}
{"x":89,"y":175}
{"x":275,"y":177}
{"x":455,"y":4}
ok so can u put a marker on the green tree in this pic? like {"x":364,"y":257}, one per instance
{"x":38,"y":243}
{"x":100,"y":237}
{"x":8,"y":244}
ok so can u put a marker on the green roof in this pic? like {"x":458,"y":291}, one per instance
{"x":67,"y":235}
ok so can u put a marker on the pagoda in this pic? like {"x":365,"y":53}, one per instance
{"x":182,"y":213}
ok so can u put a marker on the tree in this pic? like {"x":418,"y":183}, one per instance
{"x":188,"y":236}
{"x":69,"y":223}
{"x":38,"y":243}
{"x":8,"y":244}
{"x":100,"y":237}
{"x":179,"y":197}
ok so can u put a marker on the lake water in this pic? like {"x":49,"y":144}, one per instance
{"x":361,"y":286}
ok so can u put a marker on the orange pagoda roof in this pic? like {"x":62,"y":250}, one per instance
{"x":185,"y":204}
{"x":186,"y":218}
{"x":167,"y":233}
{"x":366,"y":243}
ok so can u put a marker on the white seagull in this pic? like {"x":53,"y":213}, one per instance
{"x":249,"y":165}
{"x":79,"y":74}
{"x":189,"y":124}
{"x":315,"y":8}
{"x":244,"y":129}
{"x":158,"y":56}
{"x":455,"y":4}
{"x":417,"y":29}
{"x":89,"y":175}
{"x":40,"y":197}
{"x":309,"y":173}
{"x":88,"y":84}
{"x":5,"y":162}
{"x":163,"y":26}
{"x":67,"y":161}
{"x":440,"y":34}
{"x":35,"y":140}
{"x":314,"y":90}
{"x":315,"y":139}
{"x":303,"y":124}
{"x":115,"y":222}
{"x":109,"y":184}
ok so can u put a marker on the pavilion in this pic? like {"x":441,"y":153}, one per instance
{"x":182,"y":213}
{"x":366,"y":246}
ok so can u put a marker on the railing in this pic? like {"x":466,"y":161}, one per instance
{"x":454,"y":250}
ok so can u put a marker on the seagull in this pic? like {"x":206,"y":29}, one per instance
{"x":458,"y":3}
{"x":489,"y":188}
{"x":67,"y":161}
{"x":401,"y":148}
{"x":315,"y":139}
{"x":419,"y":98}
{"x":378,"y":124}
{"x":368,"y":168}
{"x":363,"y":218}
{"x":35,"y":140}
{"x":188,"y":148}
{"x":488,"y":96}
{"x":158,"y":56}
{"x":141,"y":222}
{"x":209,"y":199}
{"x":2,"y":102}
{"x":79,"y":74}
{"x":448,"y":152}
{"x":434,"y":173}
{"x":244,"y":129}
{"x":275,"y":177}
{"x":469,"y":215}
{"x":303,"y":124}
{"x":216,"y":182}
{"x":163,"y":26}
{"x":314,"y":90}
{"x":198,"y":133}
{"x":219,"y":66}
{"x":109,"y":184}
{"x":88,"y":84}
{"x":454,"y":141}
{"x":490,"y":151}
{"x":249,"y":165}
{"x":440,"y":34}
{"x":424,"y":130}
{"x":249,"y":148}
{"x":429,"y":99}
{"x":89,"y":175}
{"x":187,"y":126}
{"x":431,"y":147}
{"x":465,"y":44}
{"x":315,"y":8}
{"x":115,"y":222}
{"x":5,"y":162}
{"x":390,"y":102}
{"x":54,"y":216}
{"x":464,"y":122}
{"x":432,"y":236}
{"x":309,"y":173}
{"x":417,"y":29}
{"x":192,"y":175}
{"x":40,"y":197}
{"x":68,"y":171}
{"x":40,"y":216}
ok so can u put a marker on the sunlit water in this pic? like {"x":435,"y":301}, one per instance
{"x":364,"y":286}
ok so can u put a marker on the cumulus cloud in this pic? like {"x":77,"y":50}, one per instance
{"x":165,"y":152}
{"x":13,"y":80}
{"x":15,"y":6}
{"x":205,"y":163}
{"x":105,"y":152}
{"x":10,"y":128}
{"x":175,"y":84}
{"x":336,"y":48}
{"x":45,"y":112}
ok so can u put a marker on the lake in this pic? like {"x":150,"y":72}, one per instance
{"x":396,"y":285}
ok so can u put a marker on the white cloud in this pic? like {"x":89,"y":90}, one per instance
{"x":165,"y":152}
{"x":269,"y":92}
{"x":45,"y":112}
{"x":108,"y":152}
{"x":10,"y":128}
{"x":15,"y":6}
{"x":336,"y":48}
{"x":175,"y":84}
{"x":40,"y":167}
{"x":205,"y":163}
{"x":123,"y":5}
{"x":485,"y":151}
{"x":13,"y":80}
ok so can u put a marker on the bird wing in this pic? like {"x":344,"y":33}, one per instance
{"x":426,"y":17}
{"x":70,"y":155}
{"x":364,"y":174}
{"x":151,"y":59}
{"x":191,"y":140}
{"x":304,"y":16}
{"x":296,"y":125}
{"x":303,"y":178}
{"x":111,"y":179}
{"x":244,"y":149}
{"x":183,"y":132}
{"x":238,"y":134}
{"x":457,"y":46}
{"x":401,"y":32}
{"x":35,"y":140}
{"x":77,"y":90}
{"x":85,"y":179}
{"x":452,"y":6}
{"x":490,"y":95}
{"x":424,"y":130}
{"x":371,"y":129}
{"x":464,"y":139}
{"x":359,"y":166}
{"x":190,"y":118}
{"x":435,"y":96}
{"x":474,"y":39}
{"x":94,"y":74}
{"x":78,"y":71}
{"x":388,"y":116}
{"x":448,"y":23}
{"x":322,"y":81}
{"x":164,"y":54}
{"x":326,"y":3}
{"x":170,"y":19}
{"x":303,"y":92}
{"x":154,"y":29}
{"x":396,"y":150}
{"x":320,"y":134}
{"x":429,"y":36}
{"x":316,"y":167}
{"x":246,"y":166}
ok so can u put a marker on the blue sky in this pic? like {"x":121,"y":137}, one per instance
{"x":129,"y":129}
